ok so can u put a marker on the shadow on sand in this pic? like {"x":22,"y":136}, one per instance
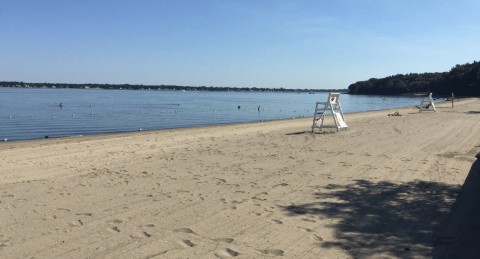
{"x":298,"y":133}
{"x":459,"y":235}
{"x":381,"y":219}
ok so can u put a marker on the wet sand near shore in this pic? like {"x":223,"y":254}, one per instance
{"x":253,"y":190}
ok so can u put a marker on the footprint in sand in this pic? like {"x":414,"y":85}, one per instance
{"x":147,"y":226}
{"x":183,"y":230}
{"x":231,"y":252}
{"x":226,"y":253}
{"x":317,"y":238}
{"x":113,"y":229}
{"x":84,"y":214}
{"x":74,"y":223}
{"x":114,"y":221}
{"x":225,"y":240}
{"x":309,"y":220}
{"x":136,"y":236}
{"x":272,"y":252}
{"x":186,"y":243}
{"x":277,"y":221}
{"x":305,"y":229}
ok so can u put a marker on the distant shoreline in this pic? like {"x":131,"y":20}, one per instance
{"x":160,"y":87}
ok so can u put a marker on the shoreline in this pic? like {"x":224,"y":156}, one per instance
{"x":380,"y":189}
{"x":214,"y":125}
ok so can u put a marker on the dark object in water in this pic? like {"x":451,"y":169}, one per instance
{"x":46,"y":136}
{"x":239,"y":107}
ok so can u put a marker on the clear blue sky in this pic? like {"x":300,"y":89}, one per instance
{"x":291,"y":44}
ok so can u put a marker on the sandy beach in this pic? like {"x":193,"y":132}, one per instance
{"x":382,"y":189}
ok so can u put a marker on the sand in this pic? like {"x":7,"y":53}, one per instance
{"x":382,"y":189}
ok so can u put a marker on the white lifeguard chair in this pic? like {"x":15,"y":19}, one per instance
{"x":332,"y":104}
{"x":427,"y":104}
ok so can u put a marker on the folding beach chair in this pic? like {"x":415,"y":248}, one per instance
{"x":321,"y":108}
{"x":427,"y":104}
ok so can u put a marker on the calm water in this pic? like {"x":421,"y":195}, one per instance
{"x":35,"y":113}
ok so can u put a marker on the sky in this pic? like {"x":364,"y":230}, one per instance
{"x":224,"y":43}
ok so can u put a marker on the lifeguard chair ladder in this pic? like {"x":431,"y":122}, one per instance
{"x":321,"y":108}
{"x":427,"y":104}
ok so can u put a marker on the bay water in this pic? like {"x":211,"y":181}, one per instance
{"x":34,"y":113}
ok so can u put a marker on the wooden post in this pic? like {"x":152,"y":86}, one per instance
{"x":452,"y":100}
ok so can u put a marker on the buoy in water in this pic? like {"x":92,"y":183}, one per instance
{"x":73,"y":115}
{"x":10,"y":117}
{"x":46,"y":136}
{"x":91,"y":114}
{"x":4,"y":139}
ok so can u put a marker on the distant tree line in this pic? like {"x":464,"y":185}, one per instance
{"x":157,"y":87}
{"x":463,"y":80}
